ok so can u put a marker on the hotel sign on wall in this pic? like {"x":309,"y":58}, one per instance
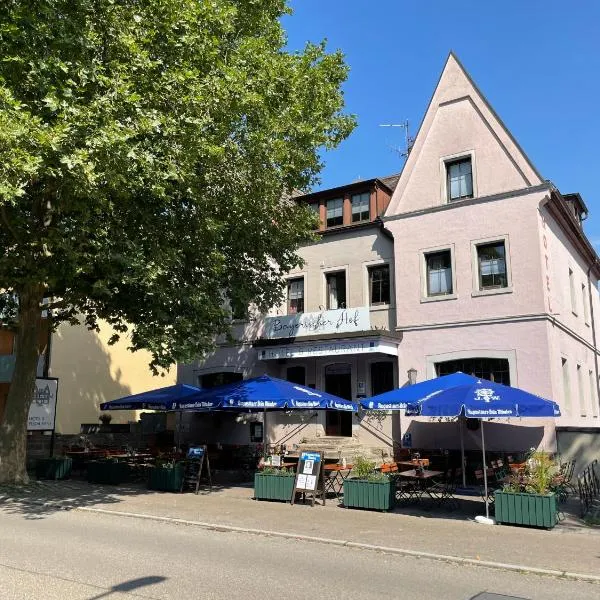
{"x":328,"y":321}
{"x":43,"y":406}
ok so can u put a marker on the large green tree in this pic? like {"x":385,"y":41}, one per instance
{"x":146,"y":151}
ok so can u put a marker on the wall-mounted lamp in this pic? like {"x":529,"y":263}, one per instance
{"x":412,"y":376}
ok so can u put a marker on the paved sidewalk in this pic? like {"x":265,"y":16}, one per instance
{"x":566,"y":549}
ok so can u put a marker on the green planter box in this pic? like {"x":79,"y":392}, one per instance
{"x":166,"y":479}
{"x":377,"y":495}
{"x":109,"y":471}
{"x":53,"y":468}
{"x":533,"y":510}
{"x":273,"y":487}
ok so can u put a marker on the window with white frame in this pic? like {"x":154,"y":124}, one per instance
{"x":491,"y":264}
{"x":459,"y":179}
{"x":584,"y":300}
{"x":566,"y":383}
{"x":336,"y":290}
{"x":360,"y":207}
{"x":295,"y":296}
{"x":379,"y":284}
{"x":438,"y":268}
{"x":572,"y":292}
{"x":335,"y":212}
{"x":582,"y":402}
{"x":593,"y":395}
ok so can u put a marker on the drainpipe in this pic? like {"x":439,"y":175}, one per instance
{"x":593,"y":335}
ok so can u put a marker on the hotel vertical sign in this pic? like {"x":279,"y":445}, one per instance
{"x":43,"y":406}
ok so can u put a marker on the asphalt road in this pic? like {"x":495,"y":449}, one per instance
{"x":85,"y":556}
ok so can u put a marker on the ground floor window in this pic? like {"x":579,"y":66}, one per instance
{"x":493,"y":369}
{"x":211,"y":380}
{"x":382,"y":377}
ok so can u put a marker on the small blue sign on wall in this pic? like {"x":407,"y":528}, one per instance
{"x":407,"y":440}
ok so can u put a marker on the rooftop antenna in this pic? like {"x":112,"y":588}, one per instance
{"x":409,"y":141}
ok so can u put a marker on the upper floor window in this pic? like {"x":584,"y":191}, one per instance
{"x":459,"y":179}
{"x":439,"y":273}
{"x":491,"y":259}
{"x":379,"y":284}
{"x":360,"y":207}
{"x":336,"y":290}
{"x":316,"y":208}
{"x":572,"y":292}
{"x":335,"y":212}
{"x":295,"y":299}
{"x":584,"y":301}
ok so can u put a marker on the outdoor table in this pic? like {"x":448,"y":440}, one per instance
{"x":424,"y":479}
{"x":336,"y":475}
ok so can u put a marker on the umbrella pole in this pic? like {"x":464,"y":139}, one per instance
{"x":265,"y":433}
{"x":485,"y":481}
{"x":462,"y":451}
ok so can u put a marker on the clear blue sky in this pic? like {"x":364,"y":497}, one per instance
{"x":537,"y":62}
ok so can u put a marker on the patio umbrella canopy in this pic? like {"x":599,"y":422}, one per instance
{"x":165,"y":398}
{"x":262,"y":393}
{"x":400,"y":397}
{"x":480,"y":400}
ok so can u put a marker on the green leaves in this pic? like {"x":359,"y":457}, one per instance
{"x":145,"y":148}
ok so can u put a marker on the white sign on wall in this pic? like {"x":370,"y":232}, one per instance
{"x":43,"y":405}
{"x":327,"y":321}
{"x":329,"y":349}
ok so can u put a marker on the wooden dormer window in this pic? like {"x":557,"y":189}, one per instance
{"x":335,"y":212}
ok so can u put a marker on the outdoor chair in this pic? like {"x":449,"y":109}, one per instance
{"x":406,"y":489}
{"x":492,"y":485}
{"x":443,"y":491}
{"x":565,"y":486}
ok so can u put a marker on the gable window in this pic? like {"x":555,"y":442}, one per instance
{"x":295,"y":299}
{"x":459,"y":179}
{"x":336,"y":290}
{"x":439,"y":273}
{"x":335,"y":212}
{"x":491,"y":260}
{"x":379,"y":284}
{"x":360,"y":207}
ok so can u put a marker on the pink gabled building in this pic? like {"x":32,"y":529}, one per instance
{"x":494,"y":274}
{"x":467,"y":260}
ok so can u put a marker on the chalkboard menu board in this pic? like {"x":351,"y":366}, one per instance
{"x":309,"y":476}
{"x":195,"y":463}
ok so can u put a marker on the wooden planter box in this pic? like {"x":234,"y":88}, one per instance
{"x":166,"y":479}
{"x":273,"y":487}
{"x":377,"y":495}
{"x":109,"y":471}
{"x":53,"y":468}
{"x":533,"y":510}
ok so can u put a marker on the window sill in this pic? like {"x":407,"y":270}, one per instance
{"x":380,"y":306}
{"x":438,"y":298}
{"x":492,"y":292}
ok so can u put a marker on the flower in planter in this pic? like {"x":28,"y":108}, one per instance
{"x":541,"y":475}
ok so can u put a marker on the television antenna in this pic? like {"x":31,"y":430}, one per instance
{"x":408,"y":140}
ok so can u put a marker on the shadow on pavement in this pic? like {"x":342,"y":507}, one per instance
{"x":130,"y":586}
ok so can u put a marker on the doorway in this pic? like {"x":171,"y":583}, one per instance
{"x":338,"y":381}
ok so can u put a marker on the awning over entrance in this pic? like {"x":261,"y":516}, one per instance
{"x":332,"y":347}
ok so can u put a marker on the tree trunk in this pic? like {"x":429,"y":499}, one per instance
{"x":13,"y":429}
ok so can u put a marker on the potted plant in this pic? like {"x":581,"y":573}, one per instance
{"x":274,"y":484}
{"x":529,"y":498}
{"x":166,"y":476}
{"x":366,"y":488}
{"x":108,"y":470}
{"x":55,"y":467}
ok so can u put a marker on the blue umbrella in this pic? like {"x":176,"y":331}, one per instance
{"x":265,"y":392}
{"x":262,"y":393}
{"x":160,"y":399}
{"x":398,"y":398}
{"x":480,"y":400}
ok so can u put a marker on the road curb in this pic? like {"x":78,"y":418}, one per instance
{"x":358,"y":545}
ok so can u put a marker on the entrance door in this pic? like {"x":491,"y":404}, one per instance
{"x":338,"y":381}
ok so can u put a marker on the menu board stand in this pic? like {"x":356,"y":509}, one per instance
{"x":197,"y":459}
{"x":310,"y":477}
